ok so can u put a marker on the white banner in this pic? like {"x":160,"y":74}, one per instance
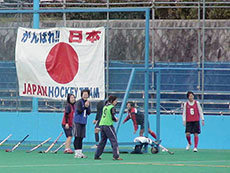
{"x":53,"y":62}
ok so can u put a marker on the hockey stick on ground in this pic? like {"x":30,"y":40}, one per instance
{"x":51,"y":146}
{"x":170,"y":152}
{"x":5,"y":139}
{"x":39,"y":145}
{"x":55,"y":151}
{"x":17,"y":145}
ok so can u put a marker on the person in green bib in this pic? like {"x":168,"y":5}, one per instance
{"x":107,"y":129}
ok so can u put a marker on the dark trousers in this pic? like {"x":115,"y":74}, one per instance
{"x":77,"y":143}
{"x":107,"y":132}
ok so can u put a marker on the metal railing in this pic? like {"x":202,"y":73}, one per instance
{"x":201,"y":27}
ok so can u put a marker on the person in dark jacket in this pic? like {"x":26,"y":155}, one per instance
{"x":80,"y":121}
{"x":100,"y":106}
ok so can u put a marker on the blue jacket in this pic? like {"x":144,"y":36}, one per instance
{"x":81,"y":112}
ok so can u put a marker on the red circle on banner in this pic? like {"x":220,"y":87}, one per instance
{"x":62,"y":63}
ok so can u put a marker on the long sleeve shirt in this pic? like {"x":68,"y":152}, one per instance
{"x":136,"y":116}
{"x":81,"y":112}
{"x":100,"y":106}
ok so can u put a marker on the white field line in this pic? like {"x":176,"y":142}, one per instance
{"x":173,"y":163}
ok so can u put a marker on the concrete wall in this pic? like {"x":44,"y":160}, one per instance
{"x":40,"y":126}
{"x":170,"y":45}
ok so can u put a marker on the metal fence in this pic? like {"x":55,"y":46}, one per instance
{"x":196,"y":41}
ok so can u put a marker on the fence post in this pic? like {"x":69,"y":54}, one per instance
{"x":36,"y":21}
{"x":146,"y":93}
{"x":158,"y":113}
{"x":125,"y":98}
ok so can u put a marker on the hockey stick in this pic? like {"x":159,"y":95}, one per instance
{"x":5,"y":139}
{"x":39,"y":145}
{"x":170,"y":152}
{"x":51,"y":146}
{"x":55,"y":151}
{"x":17,"y":145}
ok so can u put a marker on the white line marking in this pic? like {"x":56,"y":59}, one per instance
{"x":114,"y":163}
{"x":56,"y":165}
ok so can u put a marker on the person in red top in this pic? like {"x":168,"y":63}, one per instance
{"x":67,"y":122}
{"x":192,"y":113}
{"x":138,"y":119}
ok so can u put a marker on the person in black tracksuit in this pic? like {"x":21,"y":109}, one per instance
{"x":100,"y":106}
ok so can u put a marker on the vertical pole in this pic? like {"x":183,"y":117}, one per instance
{"x":125,"y":98}
{"x":36,"y":16}
{"x":158,"y":122}
{"x":146,"y":95}
{"x":36,"y":21}
{"x":153,"y":43}
{"x":17,"y":15}
{"x":107,"y":51}
{"x":153,"y":87}
{"x":17,"y":90}
{"x":64,"y":14}
{"x":203,"y":53}
{"x":199,"y":48}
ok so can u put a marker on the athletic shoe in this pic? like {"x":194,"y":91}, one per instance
{"x":188,"y":147}
{"x":83,"y":156}
{"x":117,"y":158}
{"x":68,"y":151}
{"x":77,"y":156}
{"x":195,"y":150}
{"x":97,"y":158}
{"x":94,"y":146}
